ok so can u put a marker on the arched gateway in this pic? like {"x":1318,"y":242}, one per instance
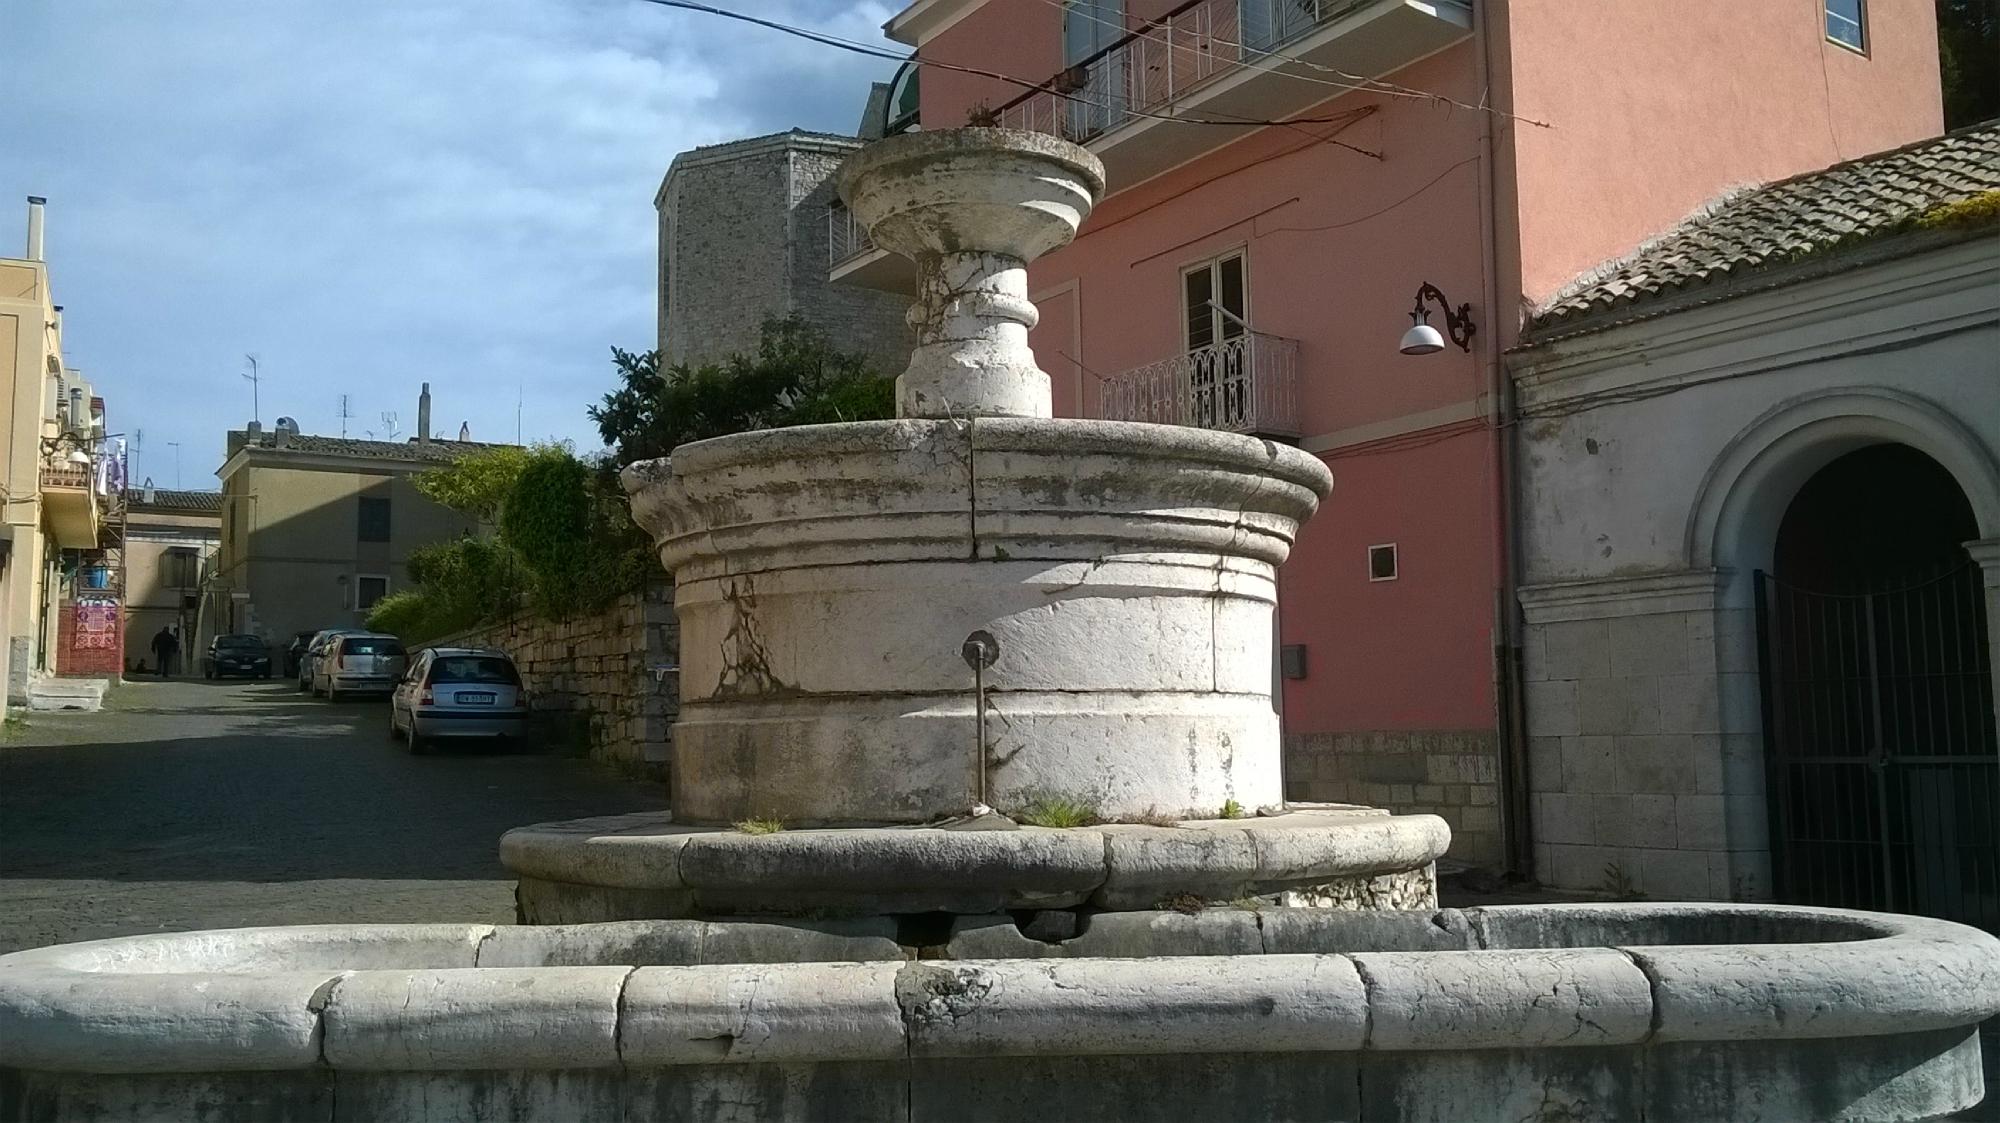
{"x":1877,"y":691}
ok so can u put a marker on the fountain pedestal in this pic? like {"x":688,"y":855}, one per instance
{"x":1114,"y":582}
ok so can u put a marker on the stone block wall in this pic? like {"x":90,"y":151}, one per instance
{"x":743,"y":239}
{"x":1645,"y":761}
{"x":621,"y":666}
{"x":1452,"y":774}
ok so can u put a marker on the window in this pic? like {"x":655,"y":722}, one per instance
{"x":180,"y":567}
{"x":374,"y":526}
{"x":368,"y":590}
{"x":1382,"y":562}
{"x":1847,"y":23}
{"x":1097,"y":102}
{"x":1090,"y":26}
{"x":369,"y":645}
{"x":474,"y":668}
{"x":1214,"y":305}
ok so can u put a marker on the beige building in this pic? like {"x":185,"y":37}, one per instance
{"x":170,"y":542}
{"x":59,"y":571}
{"x":315,"y":530}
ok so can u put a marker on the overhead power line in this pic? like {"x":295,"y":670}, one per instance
{"x":872,"y":51}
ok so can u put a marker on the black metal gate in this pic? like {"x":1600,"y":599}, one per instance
{"x":1882,"y":756}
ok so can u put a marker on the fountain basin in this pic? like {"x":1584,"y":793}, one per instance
{"x":645,"y":866}
{"x":828,"y":577}
{"x":1540,"y":1012}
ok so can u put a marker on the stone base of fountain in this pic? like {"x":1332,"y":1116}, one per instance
{"x":645,"y":866}
{"x":1522,"y":1012}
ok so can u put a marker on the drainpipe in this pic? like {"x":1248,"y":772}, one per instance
{"x":1516,"y":829}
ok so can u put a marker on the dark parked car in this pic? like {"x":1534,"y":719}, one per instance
{"x":237,"y":654}
{"x":296,"y":651}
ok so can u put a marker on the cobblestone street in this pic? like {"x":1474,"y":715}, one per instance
{"x":203,"y":805}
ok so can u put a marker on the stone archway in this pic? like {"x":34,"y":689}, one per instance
{"x":1733,"y":531}
{"x":1877,"y":689}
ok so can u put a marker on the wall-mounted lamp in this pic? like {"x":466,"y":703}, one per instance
{"x":1423,"y":339}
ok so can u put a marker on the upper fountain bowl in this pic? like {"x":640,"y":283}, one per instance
{"x":1003,"y":191}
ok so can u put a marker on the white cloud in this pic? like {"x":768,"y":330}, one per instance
{"x":373,"y":193}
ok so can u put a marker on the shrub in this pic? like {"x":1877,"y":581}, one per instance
{"x":1051,"y":810}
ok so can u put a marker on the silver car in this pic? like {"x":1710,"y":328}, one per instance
{"x":359,"y":663}
{"x":454,"y":692}
{"x":315,"y":650}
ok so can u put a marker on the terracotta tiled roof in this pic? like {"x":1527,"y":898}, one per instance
{"x":168,"y":499}
{"x":1757,"y":233}
{"x":441,"y":452}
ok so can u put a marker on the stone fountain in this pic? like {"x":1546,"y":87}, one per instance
{"x":892,"y":624}
{"x":891,"y":628}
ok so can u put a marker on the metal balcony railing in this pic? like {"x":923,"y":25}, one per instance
{"x":1162,"y":61}
{"x":1249,"y":384}
{"x":67,"y":477}
{"x":846,"y":238}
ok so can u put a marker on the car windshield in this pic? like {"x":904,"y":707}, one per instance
{"x":474,"y":668}
{"x":239,"y":641}
{"x":370,"y":645}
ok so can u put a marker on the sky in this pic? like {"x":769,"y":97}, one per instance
{"x":371,"y":194}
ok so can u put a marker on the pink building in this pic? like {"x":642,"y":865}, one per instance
{"x":1284,"y":177}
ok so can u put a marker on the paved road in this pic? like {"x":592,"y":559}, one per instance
{"x":197,"y":805}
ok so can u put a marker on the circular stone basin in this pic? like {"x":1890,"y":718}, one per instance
{"x":828,"y":577}
{"x":1524,"y":1012}
{"x":645,"y":866}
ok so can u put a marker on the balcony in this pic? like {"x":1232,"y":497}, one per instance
{"x":1249,"y":384}
{"x":1221,"y":60}
{"x":853,"y":257}
{"x":71,"y":506}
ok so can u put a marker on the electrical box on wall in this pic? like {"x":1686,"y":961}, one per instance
{"x":1292,"y":660}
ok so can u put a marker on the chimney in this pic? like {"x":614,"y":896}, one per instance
{"x":35,"y":204}
{"x":424,"y":415}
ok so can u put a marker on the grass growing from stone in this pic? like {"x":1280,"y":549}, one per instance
{"x":761,"y":826}
{"x":1232,"y":810}
{"x":1188,"y":903}
{"x":14,"y":726}
{"x":1056,"y":811}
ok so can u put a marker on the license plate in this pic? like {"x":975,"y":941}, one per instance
{"x":475,"y":699}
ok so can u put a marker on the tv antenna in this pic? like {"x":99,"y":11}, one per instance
{"x":346,"y":411}
{"x":389,"y":429}
{"x":176,"y":446}
{"x":256,"y":411}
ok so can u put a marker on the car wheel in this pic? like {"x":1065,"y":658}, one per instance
{"x":418,"y":745}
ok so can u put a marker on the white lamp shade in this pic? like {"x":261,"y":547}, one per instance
{"x":78,"y":457}
{"x":1422,"y":339}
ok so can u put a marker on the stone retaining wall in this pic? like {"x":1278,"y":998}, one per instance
{"x":620,"y":666}
{"x":1451,"y":774}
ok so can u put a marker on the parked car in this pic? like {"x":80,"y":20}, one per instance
{"x":454,"y":692}
{"x":295,"y":652}
{"x":236,"y":654}
{"x":314,"y":650}
{"x":358,"y":663}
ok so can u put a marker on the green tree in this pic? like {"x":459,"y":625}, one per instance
{"x":477,"y":483}
{"x":1969,"y":60}
{"x":795,"y":377}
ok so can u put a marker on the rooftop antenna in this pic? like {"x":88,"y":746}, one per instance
{"x":517,"y":413}
{"x":389,"y":429}
{"x":176,"y":446}
{"x":256,"y":411}
{"x":346,"y":411}
{"x":138,"y":444}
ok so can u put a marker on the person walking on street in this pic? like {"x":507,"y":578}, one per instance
{"x":165,"y":646}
